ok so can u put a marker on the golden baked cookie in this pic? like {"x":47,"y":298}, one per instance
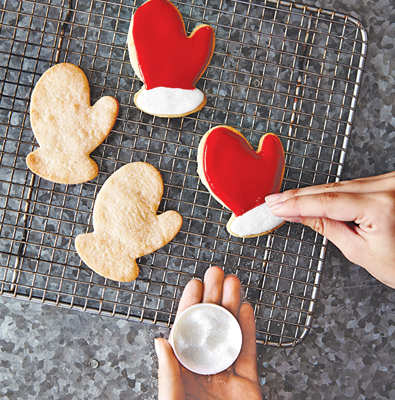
{"x":66,"y":126}
{"x":126,"y":224}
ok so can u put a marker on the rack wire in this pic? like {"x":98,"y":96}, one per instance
{"x":278,"y":67}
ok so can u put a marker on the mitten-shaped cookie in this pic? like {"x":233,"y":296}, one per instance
{"x":66,"y":127}
{"x":240,"y":178}
{"x":126,"y":224}
{"x":167,"y":60}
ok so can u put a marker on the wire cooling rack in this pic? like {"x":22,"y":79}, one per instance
{"x":278,"y":67}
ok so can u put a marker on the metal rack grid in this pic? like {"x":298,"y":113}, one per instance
{"x":278,"y":67}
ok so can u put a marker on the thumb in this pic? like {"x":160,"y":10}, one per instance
{"x":342,"y":234}
{"x":171,"y":385}
{"x":337,"y":232}
{"x":333,"y":215}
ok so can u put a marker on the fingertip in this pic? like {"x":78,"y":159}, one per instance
{"x":166,"y":357}
{"x":247,"y":309}
{"x":294,"y":219}
{"x":195,"y":282}
{"x":281,"y":197}
{"x":192,"y":294}
{"x":162,"y":347}
{"x":276,"y":206}
{"x":213,"y":283}
{"x":157,"y":346}
{"x":231,"y":294}
{"x":194,"y":289}
{"x":164,"y":353}
{"x":215,"y":272}
{"x":233,"y":280}
{"x":273,"y":198}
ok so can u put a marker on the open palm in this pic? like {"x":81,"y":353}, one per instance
{"x":238,"y":382}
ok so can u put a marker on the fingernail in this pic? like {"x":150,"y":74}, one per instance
{"x":157,"y":348}
{"x":272,"y":198}
{"x":276,"y":206}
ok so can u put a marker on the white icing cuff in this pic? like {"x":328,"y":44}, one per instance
{"x":255,"y":222}
{"x":163,"y":101}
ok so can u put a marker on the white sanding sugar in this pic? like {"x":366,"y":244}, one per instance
{"x":169,"y":101}
{"x":255,"y":222}
{"x":206,"y":338}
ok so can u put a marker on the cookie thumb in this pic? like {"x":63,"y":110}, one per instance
{"x":171,"y":385}
{"x":103,"y":115}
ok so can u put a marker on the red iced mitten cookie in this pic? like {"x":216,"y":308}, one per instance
{"x":66,"y":126}
{"x":167,"y":60}
{"x":126,"y":224}
{"x":240,"y":178}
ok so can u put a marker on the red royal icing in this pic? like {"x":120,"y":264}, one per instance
{"x":165,"y":54}
{"x":237,"y":175}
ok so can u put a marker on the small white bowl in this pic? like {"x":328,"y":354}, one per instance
{"x":206,"y":338}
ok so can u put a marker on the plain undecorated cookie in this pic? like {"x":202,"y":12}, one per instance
{"x":66,"y":126}
{"x":126,"y":224}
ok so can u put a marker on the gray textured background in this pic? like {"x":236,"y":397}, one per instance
{"x":51,"y":353}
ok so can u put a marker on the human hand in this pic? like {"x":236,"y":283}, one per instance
{"x":357,"y":216}
{"x":238,"y":382}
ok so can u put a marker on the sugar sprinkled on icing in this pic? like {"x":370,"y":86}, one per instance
{"x":255,"y":222}
{"x":207,"y":339}
{"x":165,"y":101}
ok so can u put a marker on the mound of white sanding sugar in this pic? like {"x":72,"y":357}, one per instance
{"x":257,"y":221}
{"x":165,"y":101}
{"x":206,"y":339}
